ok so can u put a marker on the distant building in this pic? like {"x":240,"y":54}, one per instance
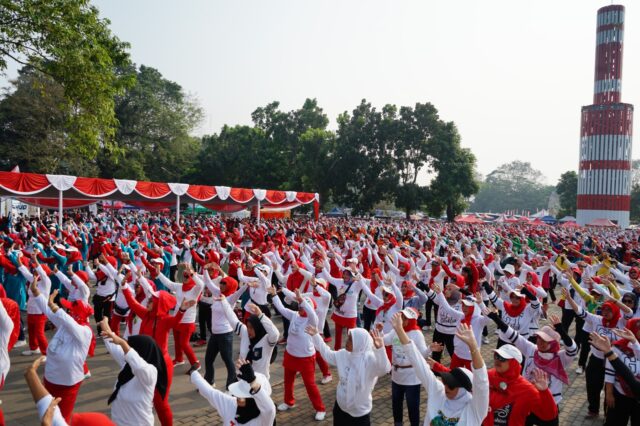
{"x":604,"y":179}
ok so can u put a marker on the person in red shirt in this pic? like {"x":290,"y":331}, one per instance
{"x":157,"y":323}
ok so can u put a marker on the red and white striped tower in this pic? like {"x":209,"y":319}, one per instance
{"x":604,"y":180}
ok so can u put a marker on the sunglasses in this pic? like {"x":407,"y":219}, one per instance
{"x":628,"y":302}
{"x":497,"y":357}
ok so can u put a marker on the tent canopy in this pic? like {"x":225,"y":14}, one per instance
{"x":568,"y":219}
{"x":61,"y":191}
{"x":602,"y":222}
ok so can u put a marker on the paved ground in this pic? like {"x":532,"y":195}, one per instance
{"x":191,"y":409}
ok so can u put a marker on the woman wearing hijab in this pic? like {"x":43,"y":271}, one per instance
{"x":450,"y":400}
{"x":512,"y":398}
{"x":545,"y":355}
{"x":404,"y":382}
{"x":248,"y":402}
{"x":473,"y":318}
{"x":359,"y":365}
{"x":142,"y":371}
{"x":68,"y":349}
{"x":623,"y":373}
{"x":448,"y":317}
{"x":603,"y":324}
{"x":157,"y":323}
{"x":619,"y":397}
{"x":258,"y":337}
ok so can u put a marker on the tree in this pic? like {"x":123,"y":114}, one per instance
{"x":34,"y":127}
{"x":154,"y":143}
{"x":68,"y":41}
{"x":456,"y":180}
{"x":635,"y":203}
{"x":567,"y":189}
{"x":512,"y":186}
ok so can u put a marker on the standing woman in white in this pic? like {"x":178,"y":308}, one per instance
{"x":143,"y":370}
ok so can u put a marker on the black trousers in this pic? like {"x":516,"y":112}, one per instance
{"x":582,"y":339}
{"x":101,"y":308}
{"x":595,"y":382}
{"x":368,"y":316}
{"x":446,"y":340}
{"x":567,"y":318}
{"x":340,"y":418}
{"x":428,"y":307}
{"x":172,"y":272}
{"x":204,"y":319}
{"x":532,"y":420}
{"x":625,"y":409}
{"x":222,"y":344}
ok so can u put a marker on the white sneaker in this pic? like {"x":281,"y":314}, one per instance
{"x":326,"y":379}
{"x":579,"y":370}
{"x":88,"y":375}
{"x":29,"y":352}
{"x":320,"y":415}
{"x":20,"y":343}
{"x":485,"y":340}
{"x":284,"y":406}
{"x":44,"y":359}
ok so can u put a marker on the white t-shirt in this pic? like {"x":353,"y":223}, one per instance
{"x":6,"y":327}
{"x":44,"y":285}
{"x":405,"y":376}
{"x":134,"y":403}
{"x":299,"y":343}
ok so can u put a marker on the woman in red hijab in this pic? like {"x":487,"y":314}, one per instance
{"x":512,"y":398}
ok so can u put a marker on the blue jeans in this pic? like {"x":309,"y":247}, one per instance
{"x":412,"y":395}
{"x":223,"y":344}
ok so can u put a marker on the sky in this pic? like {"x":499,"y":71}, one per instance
{"x":512,"y":74}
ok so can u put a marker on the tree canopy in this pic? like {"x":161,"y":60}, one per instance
{"x":567,"y":189}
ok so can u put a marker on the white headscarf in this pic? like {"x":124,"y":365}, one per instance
{"x":362,"y":345}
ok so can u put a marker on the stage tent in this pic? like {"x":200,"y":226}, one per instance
{"x":64,"y":192}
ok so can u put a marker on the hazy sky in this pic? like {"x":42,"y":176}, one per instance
{"x":512,"y":74}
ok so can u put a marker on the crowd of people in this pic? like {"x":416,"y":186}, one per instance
{"x":359,"y":299}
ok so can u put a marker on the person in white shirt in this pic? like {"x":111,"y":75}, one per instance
{"x":36,"y":319}
{"x":189,"y":289}
{"x":299,"y":355}
{"x":47,"y":406}
{"x":143,"y":370}
{"x":258,"y":337}
{"x":68,"y":350}
{"x":359,"y":365}
{"x":462,"y":397}
{"x":248,"y":402}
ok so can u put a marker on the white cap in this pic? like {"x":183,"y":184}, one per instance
{"x":510,"y":269}
{"x":352,"y":260}
{"x":410,"y":313}
{"x":509,"y":352}
{"x":468,"y":301}
{"x":242,"y":389}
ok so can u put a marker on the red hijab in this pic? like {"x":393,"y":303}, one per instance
{"x":391,"y":300}
{"x":552,"y":366}
{"x":80,"y":312}
{"x":295,"y":279}
{"x":231,"y":286}
{"x":515,"y":311}
{"x":613,"y":322}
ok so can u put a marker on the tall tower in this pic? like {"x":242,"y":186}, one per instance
{"x":604,"y":180}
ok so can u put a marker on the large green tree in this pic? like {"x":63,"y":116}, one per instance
{"x":512,"y":186}
{"x":154,"y":138}
{"x":67,"y":40}
{"x":567,"y":189}
{"x":34,"y":127}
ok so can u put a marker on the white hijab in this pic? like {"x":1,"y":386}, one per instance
{"x":362,"y":346}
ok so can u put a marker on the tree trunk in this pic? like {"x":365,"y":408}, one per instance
{"x":450,"y":213}
{"x":407,"y":214}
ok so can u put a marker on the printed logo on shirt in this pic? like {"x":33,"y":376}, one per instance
{"x":501,"y":415}
{"x":442,"y":420}
{"x":256,"y":354}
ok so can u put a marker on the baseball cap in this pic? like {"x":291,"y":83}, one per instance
{"x":410,"y":313}
{"x":242,"y":389}
{"x":548,"y":334}
{"x":509,"y":352}
{"x":468,"y":301}
{"x":510,"y":269}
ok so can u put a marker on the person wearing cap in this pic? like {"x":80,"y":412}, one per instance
{"x":322,"y":298}
{"x":512,"y":398}
{"x":405,"y":385}
{"x":190,"y":288}
{"x":387,"y":303}
{"x":105,"y":287}
{"x":519,"y":312}
{"x":68,"y":349}
{"x":258,"y":293}
{"x":448,"y":317}
{"x":603,"y":324}
{"x":462,"y":397}
{"x":258,"y":337}
{"x":36,"y":319}
{"x":248,"y":401}
{"x":546,"y":355}
{"x":622,"y":404}
{"x":359,"y":365}
{"x":299,"y":355}
{"x":471,"y":308}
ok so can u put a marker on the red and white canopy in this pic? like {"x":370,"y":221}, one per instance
{"x":60,"y":191}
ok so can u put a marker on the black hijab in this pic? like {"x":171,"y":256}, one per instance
{"x":148,"y":350}
{"x":260,"y":332}
{"x":247,"y":413}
